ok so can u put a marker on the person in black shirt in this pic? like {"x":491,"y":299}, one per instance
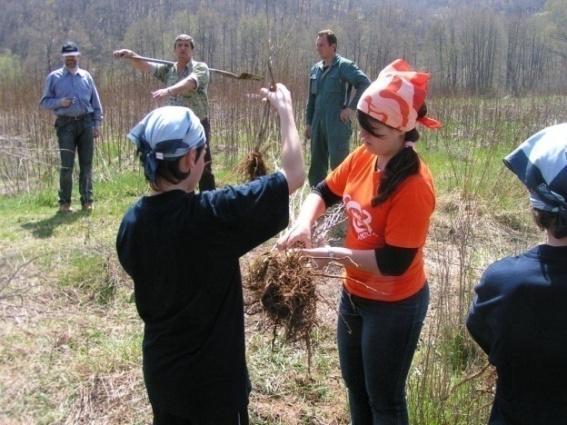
{"x":182,"y":251}
{"x":519,"y":313}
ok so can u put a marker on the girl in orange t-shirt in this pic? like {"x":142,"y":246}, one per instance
{"x":389,"y":197}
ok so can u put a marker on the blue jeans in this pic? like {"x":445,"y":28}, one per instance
{"x":376,"y":342}
{"x":75,"y":136}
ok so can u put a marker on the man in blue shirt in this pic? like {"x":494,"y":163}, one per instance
{"x":71,"y":94}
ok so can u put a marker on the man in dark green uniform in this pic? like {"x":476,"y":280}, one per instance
{"x":330,"y":107}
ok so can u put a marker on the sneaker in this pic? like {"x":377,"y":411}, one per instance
{"x":65,"y":208}
{"x":88,"y":206}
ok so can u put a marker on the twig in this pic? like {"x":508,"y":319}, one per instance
{"x":465,"y":380}
{"x":352,"y":280}
{"x":335,"y":260}
{"x":326,"y":301}
{"x":6,"y":281}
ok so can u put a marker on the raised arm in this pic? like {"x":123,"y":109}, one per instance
{"x":136,"y":63}
{"x":293,"y":166}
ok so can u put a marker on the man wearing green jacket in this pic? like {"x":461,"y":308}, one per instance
{"x":330,"y":107}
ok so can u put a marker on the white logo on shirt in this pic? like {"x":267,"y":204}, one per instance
{"x":360,"y":218}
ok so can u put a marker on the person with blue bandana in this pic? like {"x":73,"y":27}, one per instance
{"x":519,"y":313}
{"x":70,"y":92}
{"x":182,"y":251}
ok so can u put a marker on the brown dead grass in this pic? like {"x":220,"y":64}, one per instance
{"x":64,"y":359}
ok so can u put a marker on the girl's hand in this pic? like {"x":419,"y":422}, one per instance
{"x":321,"y":256}
{"x":298,"y":236}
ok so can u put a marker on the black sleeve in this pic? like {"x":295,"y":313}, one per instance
{"x":330,"y":199}
{"x":393,"y":260}
{"x":239,"y":218}
{"x":483,"y":319}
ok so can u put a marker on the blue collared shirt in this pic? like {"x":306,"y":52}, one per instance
{"x":79,"y":86}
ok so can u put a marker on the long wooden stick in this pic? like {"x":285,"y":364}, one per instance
{"x":241,"y":76}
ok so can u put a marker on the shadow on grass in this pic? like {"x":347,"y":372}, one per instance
{"x":44,"y":228}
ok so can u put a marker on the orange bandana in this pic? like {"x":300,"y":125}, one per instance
{"x":396,"y":96}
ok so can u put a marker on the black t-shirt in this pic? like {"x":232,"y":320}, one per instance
{"x":182,"y":250}
{"x":519,"y":318}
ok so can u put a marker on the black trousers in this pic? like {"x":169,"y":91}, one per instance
{"x":216,"y":418}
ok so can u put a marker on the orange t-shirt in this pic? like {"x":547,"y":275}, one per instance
{"x":402,"y":220}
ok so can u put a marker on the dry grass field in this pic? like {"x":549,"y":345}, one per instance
{"x":70,"y":336}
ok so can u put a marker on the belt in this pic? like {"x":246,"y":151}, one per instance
{"x":75,"y":118}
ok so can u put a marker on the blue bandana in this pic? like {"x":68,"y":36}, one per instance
{"x":541,"y":164}
{"x":166,"y":133}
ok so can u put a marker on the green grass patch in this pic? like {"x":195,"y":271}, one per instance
{"x":90,"y":275}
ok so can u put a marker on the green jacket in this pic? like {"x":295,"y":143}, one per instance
{"x":330,"y":89}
